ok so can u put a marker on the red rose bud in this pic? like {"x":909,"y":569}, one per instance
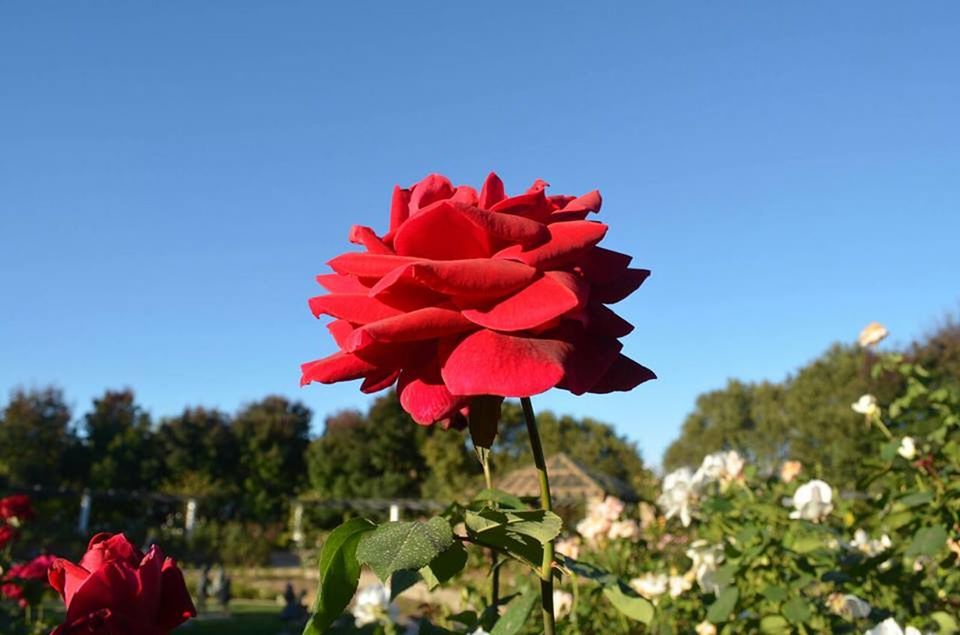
{"x":16,"y":508}
{"x":116,"y":589}
{"x":476,"y":293}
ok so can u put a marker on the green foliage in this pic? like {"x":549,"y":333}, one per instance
{"x":339,"y":574}
{"x":518,"y":610}
{"x":35,"y":438}
{"x":396,"y":546}
{"x":273,"y":435}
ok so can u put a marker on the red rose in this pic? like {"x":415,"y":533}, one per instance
{"x":474,"y":294}
{"x":34,"y":570}
{"x":7,"y":534}
{"x":16,"y":507}
{"x":116,"y":590}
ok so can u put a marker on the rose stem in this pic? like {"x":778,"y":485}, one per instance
{"x":495,"y":570}
{"x":546,"y":569}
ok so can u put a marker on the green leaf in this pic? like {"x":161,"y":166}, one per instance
{"x":541,"y":525}
{"x":587,"y":570}
{"x":796,"y":610}
{"x":520,"y":534}
{"x":774,"y":625}
{"x":947,"y":623}
{"x":483,"y":419}
{"x":395,"y":546}
{"x":916,"y":498}
{"x":633,"y":606}
{"x":402,"y":580}
{"x":775,"y":593}
{"x":446,"y":565}
{"x":339,"y":574}
{"x":516,"y":614}
{"x":501,"y":498}
{"x":928,"y":541}
{"x":723,"y":606}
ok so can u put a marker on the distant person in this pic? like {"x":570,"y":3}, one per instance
{"x":291,"y":604}
{"x":221,"y":586}
{"x":203,"y":589}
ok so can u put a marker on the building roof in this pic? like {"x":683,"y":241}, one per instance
{"x":570,"y":482}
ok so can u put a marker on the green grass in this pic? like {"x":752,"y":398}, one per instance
{"x":247,"y":618}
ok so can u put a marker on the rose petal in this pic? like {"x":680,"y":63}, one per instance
{"x":625,"y":374}
{"x":433,"y":188}
{"x":66,"y":577}
{"x":506,"y":227}
{"x":424,"y":396}
{"x":442,"y":232}
{"x":543,"y":300}
{"x":368,"y":265}
{"x":531,"y":205}
{"x":340,"y":330}
{"x":475,"y":278}
{"x":422,"y":324}
{"x":378,"y":380}
{"x":592,"y":357}
{"x":111,"y":586}
{"x":176,"y":607}
{"x":603,"y":266}
{"x":603,"y":319}
{"x":337,"y":283}
{"x":106,"y":547}
{"x":490,"y":363}
{"x":148,"y":576}
{"x":492,"y":191}
{"x":353,"y":307}
{"x":578,"y":208}
{"x":337,"y":367}
{"x":627,"y":283}
{"x":466,"y":195}
{"x":567,"y":241}
{"x":538,"y":186}
{"x":399,"y":208}
{"x":360,"y":235}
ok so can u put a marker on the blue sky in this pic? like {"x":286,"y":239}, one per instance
{"x":172,"y":175}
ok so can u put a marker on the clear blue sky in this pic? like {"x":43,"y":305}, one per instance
{"x":173,"y":174}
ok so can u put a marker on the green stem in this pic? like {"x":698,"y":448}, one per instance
{"x":494,"y":560}
{"x":546,"y":568}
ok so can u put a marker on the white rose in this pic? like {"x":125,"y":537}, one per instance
{"x":562,"y":603}
{"x":650,"y":585}
{"x":908,"y":448}
{"x":812,"y":501}
{"x":678,"y":494}
{"x":872,"y":334}
{"x":889,"y":626}
{"x":866,"y":405}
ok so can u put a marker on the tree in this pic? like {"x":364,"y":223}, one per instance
{"x":36,"y":439}
{"x":376,"y":457}
{"x":272,"y":437}
{"x":200,"y":454}
{"x":120,"y":443}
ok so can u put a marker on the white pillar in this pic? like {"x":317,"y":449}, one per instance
{"x":83,"y":523}
{"x":394,"y":512}
{"x":190,"y":518}
{"x":298,"y":524}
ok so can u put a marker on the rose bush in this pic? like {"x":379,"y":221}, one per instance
{"x":115,"y":589}
{"x":476,"y":293}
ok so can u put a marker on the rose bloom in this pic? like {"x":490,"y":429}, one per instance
{"x":117,"y":590}
{"x":812,"y":501}
{"x":34,"y":570}
{"x":16,"y":508}
{"x":790,"y":470}
{"x":872,"y":334}
{"x":7,"y":534}
{"x":476,"y":293}
{"x":562,"y":603}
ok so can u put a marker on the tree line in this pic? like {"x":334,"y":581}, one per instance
{"x":249,"y":466}
{"x":808,"y":415}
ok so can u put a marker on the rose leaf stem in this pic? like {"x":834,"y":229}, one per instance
{"x":546,"y":569}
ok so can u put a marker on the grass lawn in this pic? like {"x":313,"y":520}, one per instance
{"x":247,"y":618}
